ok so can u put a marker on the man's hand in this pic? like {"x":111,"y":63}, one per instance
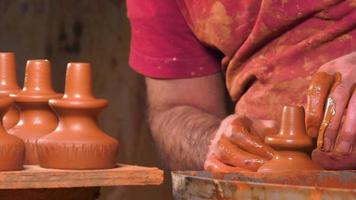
{"x":184,"y":114}
{"x":331,"y":113}
{"x":235,"y":148}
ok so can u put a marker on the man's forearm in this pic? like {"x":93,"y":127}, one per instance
{"x":182,"y":135}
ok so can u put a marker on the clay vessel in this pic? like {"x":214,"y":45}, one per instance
{"x":77,"y":142}
{"x":8,"y":85}
{"x":290,"y":141}
{"x":36,"y":117}
{"x":12,"y":149}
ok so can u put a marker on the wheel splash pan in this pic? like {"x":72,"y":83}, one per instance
{"x":309,"y":185}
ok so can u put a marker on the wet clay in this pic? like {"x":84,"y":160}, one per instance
{"x":247,"y":141}
{"x":330,"y":111}
{"x":328,"y":115}
{"x":77,"y":142}
{"x":318,"y":92}
{"x":8,"y":85}
{"x":289,"y":161}
{"x":12,"y":149}
{"x":290,"y":140}
{"x":36,"y":117}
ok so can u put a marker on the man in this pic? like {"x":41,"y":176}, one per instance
{"x":271,"y":52}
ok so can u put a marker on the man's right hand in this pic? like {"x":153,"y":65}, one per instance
{"x":236,"y":148}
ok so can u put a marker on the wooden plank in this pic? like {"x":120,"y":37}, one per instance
{"x":36,"y":177}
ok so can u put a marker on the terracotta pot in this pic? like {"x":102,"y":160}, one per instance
{"x":77,"y":142}
{"x":290,"y":140}
{"x":8,"y":85}
{"x":36,"y":117}
{"x":12,"y":149}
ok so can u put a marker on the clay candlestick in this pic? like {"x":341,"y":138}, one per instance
{"x":8,"y":85}
{"x":12,"y":149}
{"x":77,"y":142}
{"x":290,"y":140}
{"x":36,"y":117}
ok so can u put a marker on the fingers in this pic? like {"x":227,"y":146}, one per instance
{"x":346,"y":137}
{"x":230,"y":154}
{"x":242,"y":137}
{"x":212,"y":164}
{"x":235,"y":149}
{"x":336,"y":104}
{"x":224,"y":125}
{"x":316,"y":97}
{"x":332,"y":161}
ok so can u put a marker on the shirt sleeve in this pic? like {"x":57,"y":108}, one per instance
{"x":162,"y":44}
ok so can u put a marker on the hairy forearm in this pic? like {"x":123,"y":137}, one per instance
{"x":182,"y":135}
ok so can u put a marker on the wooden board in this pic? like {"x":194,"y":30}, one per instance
{"x":36,"y":177}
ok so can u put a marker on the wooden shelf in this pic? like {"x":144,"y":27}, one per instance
{"x":36,"y":177}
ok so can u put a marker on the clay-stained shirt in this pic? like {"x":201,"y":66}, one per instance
{"x":268,"y":49}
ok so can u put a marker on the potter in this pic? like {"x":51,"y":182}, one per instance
{"x":77,"y":142}
{"x":36,"y":117}
{"x":265,"y":55}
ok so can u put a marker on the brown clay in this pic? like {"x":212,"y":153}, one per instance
{"x":249,"y":142}
{"x":12,"y":149}
{"x":318,"y":91}
{"x":36,"y":117}
{"x":330,"y":111}
{"x":77,"y":142}
{"x":8,"y":85}
{"x":291,"y":138}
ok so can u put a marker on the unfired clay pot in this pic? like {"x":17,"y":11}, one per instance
{"x":77,"y":142}
{"x":12,"y":149}
{"x":290,"y":140}
{"x":8,"y":85}
{"x":36,"y":117}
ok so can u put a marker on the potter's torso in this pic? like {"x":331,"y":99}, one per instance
{"x":272,"y":47}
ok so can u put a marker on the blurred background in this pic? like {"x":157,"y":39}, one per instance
{"x":95,"y":31}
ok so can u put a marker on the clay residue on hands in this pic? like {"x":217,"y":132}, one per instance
{"x":252,"y":143}
{"x":218,"y":169}
{"x":233,"y":155}
{"x":330,"y":111}
{"x":335,"y":161}
{"x":329,"y":114}
{"x":317,"y":93}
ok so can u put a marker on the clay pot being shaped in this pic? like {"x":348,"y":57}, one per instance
{"x":36,"y":117}
{"x":8,"y":85}
{"x":290,"y":140}
{"x":12,"y":149}
{"x":77,"y":142}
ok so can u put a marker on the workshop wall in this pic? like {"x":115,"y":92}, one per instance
{"x":95,"y":31}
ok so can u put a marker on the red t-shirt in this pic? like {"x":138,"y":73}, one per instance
{"x":270,"y":47}
{"x":162,"y":44}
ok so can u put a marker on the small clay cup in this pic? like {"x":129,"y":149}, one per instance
{"x":12,"y":149}
{"x":36,"y":117}
{"x":8,"y":85}
{"x":290,"y":140}
{"x":77,"y":142}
